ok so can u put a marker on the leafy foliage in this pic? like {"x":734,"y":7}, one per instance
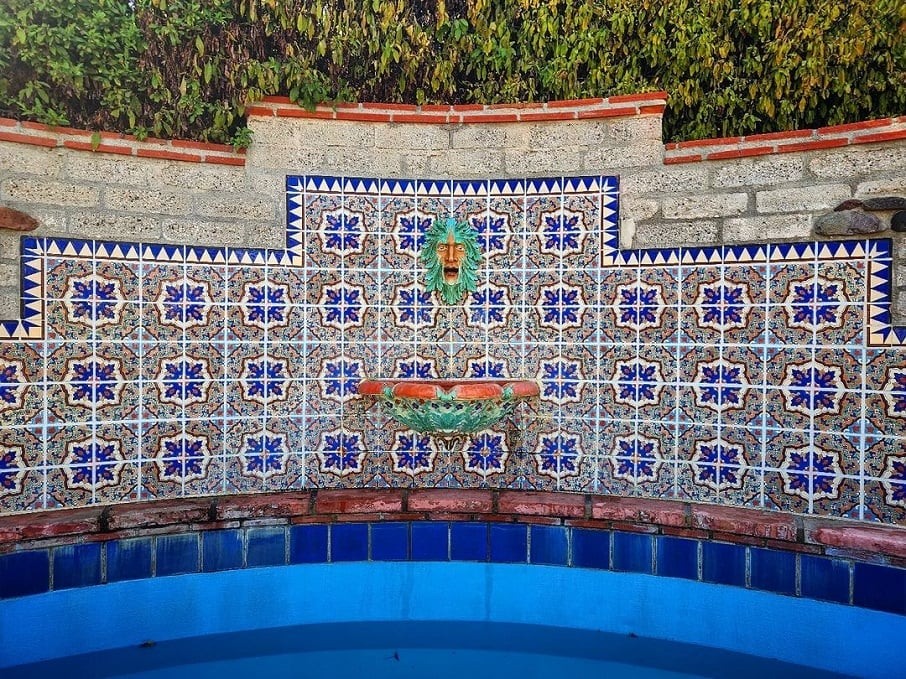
{"x":186,"y":68}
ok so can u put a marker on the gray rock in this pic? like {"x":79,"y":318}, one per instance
{"x":898,"y":221}
{"x":849,"y":204}
{"x":847,"y":223}
{"x":884,"y":203}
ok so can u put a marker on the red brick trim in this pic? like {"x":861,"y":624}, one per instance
{"x":792,"y":141}
{"x":652,"y":103}
{"x":38,"y":134}
{"x":678,"y":160}
{"x":660,"y":517}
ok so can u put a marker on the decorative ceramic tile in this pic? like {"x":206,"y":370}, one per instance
{"x":747,"y":375}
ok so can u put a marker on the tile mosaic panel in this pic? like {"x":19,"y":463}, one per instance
{"x":758,"y":375}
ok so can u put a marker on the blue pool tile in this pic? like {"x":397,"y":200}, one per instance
{"x":773,"y":570}
{"x":24,"y":573}
{"x":879,"y":587}
{"x":349,"y":542}
{"x":509,"y":543}
{"x":677,"y":557}
{"x":308,"y":544}
{"x":177,"y":554}
{"x":724,"y":564}
{"x":128,"y":559}
{"x":550,"y":545}
{"x":823,"y":578}
{"x":222,"y":550}
{"x":77,"y":565}
{"x":266,"y":547}
{"x":469,"y":542}
{"x":429,"y":541}
{"x":390,"y":541}
{"x":591,"y":548}
{"x":632,"y":552}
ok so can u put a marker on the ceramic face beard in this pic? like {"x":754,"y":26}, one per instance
{"x":451,"y":254}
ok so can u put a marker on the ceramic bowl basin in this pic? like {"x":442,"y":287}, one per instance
{"x":448,"y":407}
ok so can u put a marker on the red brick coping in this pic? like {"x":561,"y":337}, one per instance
{"x":572,"y":109}
{"x":620,"y":106}
{"x":866,"y":132}
{"x":864,"y":542}
{"x":37,"y":134}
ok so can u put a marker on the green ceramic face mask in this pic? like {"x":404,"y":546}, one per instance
{"x":451,"y":255}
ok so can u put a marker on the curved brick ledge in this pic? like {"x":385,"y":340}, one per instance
{"x":571,"y":109}
{"x":722,"y":148}
{"x":875,"y":544}
{"x":48,"y":136}
{"x":866,"y":132}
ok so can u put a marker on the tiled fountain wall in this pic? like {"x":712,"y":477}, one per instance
{"x":750,"y":375}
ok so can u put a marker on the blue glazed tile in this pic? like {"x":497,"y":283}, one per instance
{"x":880,"y":587}
{"x":222,"y":550}
{"x":128,"y":559}
{"x":632,"y":552}
{"x":724,"y":564}
{"x":550,"y":545}
{"x":823,"y":578}
{"x":430,"y":541}
{"x":308,"y":544}
{"x":677,"y":557}
{"x":509,"y":543}
{"x":390,"y":541}
{"x":266,"y":547}
{"x":77,"y":565}
{"x":177,"y":554}
{"x":773,"y":570}
{"x":24,"y":573}
{"x":349,"y":542}
{"x":591,"y":548}
{"x":469,"y":542}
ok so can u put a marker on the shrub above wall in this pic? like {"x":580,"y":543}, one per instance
{"x":183,"y":68}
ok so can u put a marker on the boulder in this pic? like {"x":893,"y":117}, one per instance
{"x":882,"y":203}
{"x":848,"y":223}
{"x":16,"y":221}
{"x":849,"y":204}
{"x":898,"y":221}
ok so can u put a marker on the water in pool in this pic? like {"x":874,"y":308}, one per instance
{"x":414,"y":649}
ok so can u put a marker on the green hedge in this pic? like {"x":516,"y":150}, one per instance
{"x":184,"y":68}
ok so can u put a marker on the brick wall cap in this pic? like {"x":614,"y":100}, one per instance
{"x":541,"y":503}
{"x":159,"y":513}
{"x":662,"y":512}
{"x":776,"y":530}
{"x":451,"y":500}
{"x":743,"y":521}
{"x":876,"y":539}
{"x":263,"y":505}
{"x":359,"y":501}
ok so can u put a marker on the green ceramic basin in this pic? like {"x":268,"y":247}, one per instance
{"x":449,"y":407}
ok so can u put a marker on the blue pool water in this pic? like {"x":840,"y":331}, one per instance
{"x":399,"y":649}
{"x":440,"y":620}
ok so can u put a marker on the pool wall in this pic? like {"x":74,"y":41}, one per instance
{"x":193,"y":321}
{"x":824,"y":594}
{"x":843,"y":562}
{"x":855,"y":642}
